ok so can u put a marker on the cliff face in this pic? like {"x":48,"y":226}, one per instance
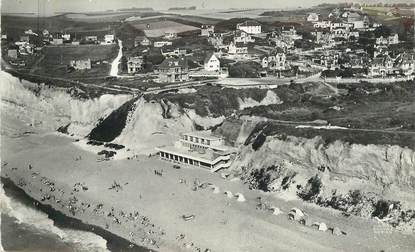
{"x":364,"y":180}
{"x":248,"y":102}
{"x":49,"y":108}
{"x":378,"y":165}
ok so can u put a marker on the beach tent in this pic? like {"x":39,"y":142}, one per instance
{"x":276,"y":211}
{"x":229,"y":194}
{"x":295,"y":214}
{"x":240,"y":197}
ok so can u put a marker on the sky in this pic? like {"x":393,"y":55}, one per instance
{"x":48,"y":7}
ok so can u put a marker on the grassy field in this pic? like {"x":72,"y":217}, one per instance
{"x":53,"y":61}
{"x":14,"y":26}
{"x":64,"y":54}
{"x":157,"y":28}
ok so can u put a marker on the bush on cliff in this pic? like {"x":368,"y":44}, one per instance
{"x":111,"y":127}
{"x":312,"y":189}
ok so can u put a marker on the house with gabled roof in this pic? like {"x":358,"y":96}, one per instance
{"x":142,"y":40}
{"x":243,"y":37}
{"x":312,"y":17}
{"x":211,"y":62}
{"x":237,"y":48}
{"x":173,"y":70}
{"x":275,"y":61}
{"x":135,"y":64}
{"x":207,"y":30}
{"x":382,"y":65}
{"x":406,"y":63}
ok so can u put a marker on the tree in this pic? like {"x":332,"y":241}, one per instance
{"x":383,"y":30}
{"x":124,"y":64}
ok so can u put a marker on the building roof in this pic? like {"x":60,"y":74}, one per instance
{"x":173,"y":62}
{"x":406,"y":57}
{"x":381,"y":60}
{"x":135,"y":59}
{"x":250,"y":23}
{"x":208,"y":57}
{"x":277,"y":50}
{"x":140,"y":38}
{"x":203,"y":134}
{"x":206,"y":156}
{"x":240,"y":32}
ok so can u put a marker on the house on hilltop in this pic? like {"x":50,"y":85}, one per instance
{"x":382,"y":65}
{"x":12,"y":53}
{"x":406,"y":63}
{"x":276,"y":61}
{"x":212,"y":62}
{"x":159,"y":44}
{"x":237,"y":48}
{"x":142,"y":40}
{"x":109,"y":38}
{"x":312,"y":17}
{"x":250,"y":27}
{"x":66,"y":37}
{"x":170,"y":35}
{"x":391,"y":40}
{"x":243,"y":37}
{"x":57,"y":41}
{"x":207,"y":30}
{"x":135,"y":64}
{"x":173,"y":70}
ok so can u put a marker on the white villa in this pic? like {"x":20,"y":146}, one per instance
{"x":243,"y":37}
{"x":57,"y":41}
{"x":391,"y":40}
{"x":312,"y":17}
{"x":207,"y":30}
{"x":66,"y":36}
{"x":162,"y":43}
{"x":91,"y":38}
{"x":250,"y":27}
{"x":109,"y":38}
{"x":274,"y":62}
{"x":212,"y":62}
{"x":170,"y":35}
{"x":198,"y":149}
{"x":135,"y":64}
{"x":324,"y":24}
{"x":235,"y":49}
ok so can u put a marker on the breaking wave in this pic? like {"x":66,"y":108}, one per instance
{"x":26,"y":214}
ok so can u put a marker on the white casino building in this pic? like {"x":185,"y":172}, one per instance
{"x":199,"y":149}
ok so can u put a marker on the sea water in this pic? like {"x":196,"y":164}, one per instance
{"x":25,"y":227}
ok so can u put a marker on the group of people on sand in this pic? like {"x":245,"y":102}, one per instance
{"x":70,"y":202}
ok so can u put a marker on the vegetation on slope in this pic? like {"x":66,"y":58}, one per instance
{"x":112,"y":126}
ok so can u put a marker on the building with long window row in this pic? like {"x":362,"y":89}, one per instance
{"x":199,"y":149}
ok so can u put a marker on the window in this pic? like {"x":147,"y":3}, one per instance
{"x":208,"y":142}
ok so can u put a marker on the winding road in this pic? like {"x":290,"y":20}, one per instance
{"x":116,"y":62}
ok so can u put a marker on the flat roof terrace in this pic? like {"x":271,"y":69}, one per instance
{"x":202,"y":134}
{"x":206,"y":156}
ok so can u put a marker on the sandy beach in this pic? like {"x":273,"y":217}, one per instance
{"x":128,"y":198}
{"x":29,"y":225}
